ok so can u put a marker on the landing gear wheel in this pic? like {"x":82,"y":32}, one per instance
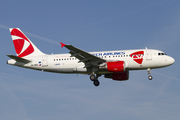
{"x":96,"y":82}
{"x":95,"y":79}
{"x":149,"y":73}
{"x":150,"y":77}
{"x":92,"y":77}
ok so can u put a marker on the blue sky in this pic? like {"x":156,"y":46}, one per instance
{"x":94,"y":25}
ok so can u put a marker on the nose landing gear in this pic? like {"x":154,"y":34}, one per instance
{"x":149,"y":73}
{"x":95,"y":79}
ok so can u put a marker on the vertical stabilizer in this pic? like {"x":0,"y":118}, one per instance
{"x":23,"y":46}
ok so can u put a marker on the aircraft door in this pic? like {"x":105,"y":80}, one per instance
{"x":44,"y":61}
{"x":148,"y":54}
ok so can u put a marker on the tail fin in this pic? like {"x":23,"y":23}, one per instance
{"x":23,"y":46}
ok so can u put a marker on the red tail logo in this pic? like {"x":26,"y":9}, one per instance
{"x":22,"y":45}
{"x":137,"y":56}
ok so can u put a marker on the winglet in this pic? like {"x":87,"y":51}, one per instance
{"x":62,"y":44}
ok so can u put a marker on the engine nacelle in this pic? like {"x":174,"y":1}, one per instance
{"x":116,"y":66}
{"x":121,"y":76}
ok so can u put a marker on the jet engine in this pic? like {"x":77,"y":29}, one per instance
{"x":115,"y":66}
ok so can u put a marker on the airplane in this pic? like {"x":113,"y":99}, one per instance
{"x":112,"y":64}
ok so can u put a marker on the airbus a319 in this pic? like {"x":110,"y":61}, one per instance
{"x":112,"y":64}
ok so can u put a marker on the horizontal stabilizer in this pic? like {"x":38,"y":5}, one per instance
{"x":18,"y":59}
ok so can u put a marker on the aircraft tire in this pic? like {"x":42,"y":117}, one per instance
{"x":150,"y":77}
{"x":96,"y":82}
{"x":92,"y":77}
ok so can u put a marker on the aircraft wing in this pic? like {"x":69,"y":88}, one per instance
{"x":85,"y":57}
{"x":18,"y":59}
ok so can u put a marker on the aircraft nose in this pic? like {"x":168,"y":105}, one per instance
{"x":171,"y":60}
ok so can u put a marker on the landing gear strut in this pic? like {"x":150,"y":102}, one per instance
{"x":95,"y":79}
{"x":149,"y":73}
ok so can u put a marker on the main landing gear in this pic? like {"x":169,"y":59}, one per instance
{"x":149,"y":73}
{"x":95,"y":79}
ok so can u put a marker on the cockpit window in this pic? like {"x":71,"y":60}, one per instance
{"x":162,"y":54}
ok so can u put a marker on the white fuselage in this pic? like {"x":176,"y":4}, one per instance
{"x":63,"y":63}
